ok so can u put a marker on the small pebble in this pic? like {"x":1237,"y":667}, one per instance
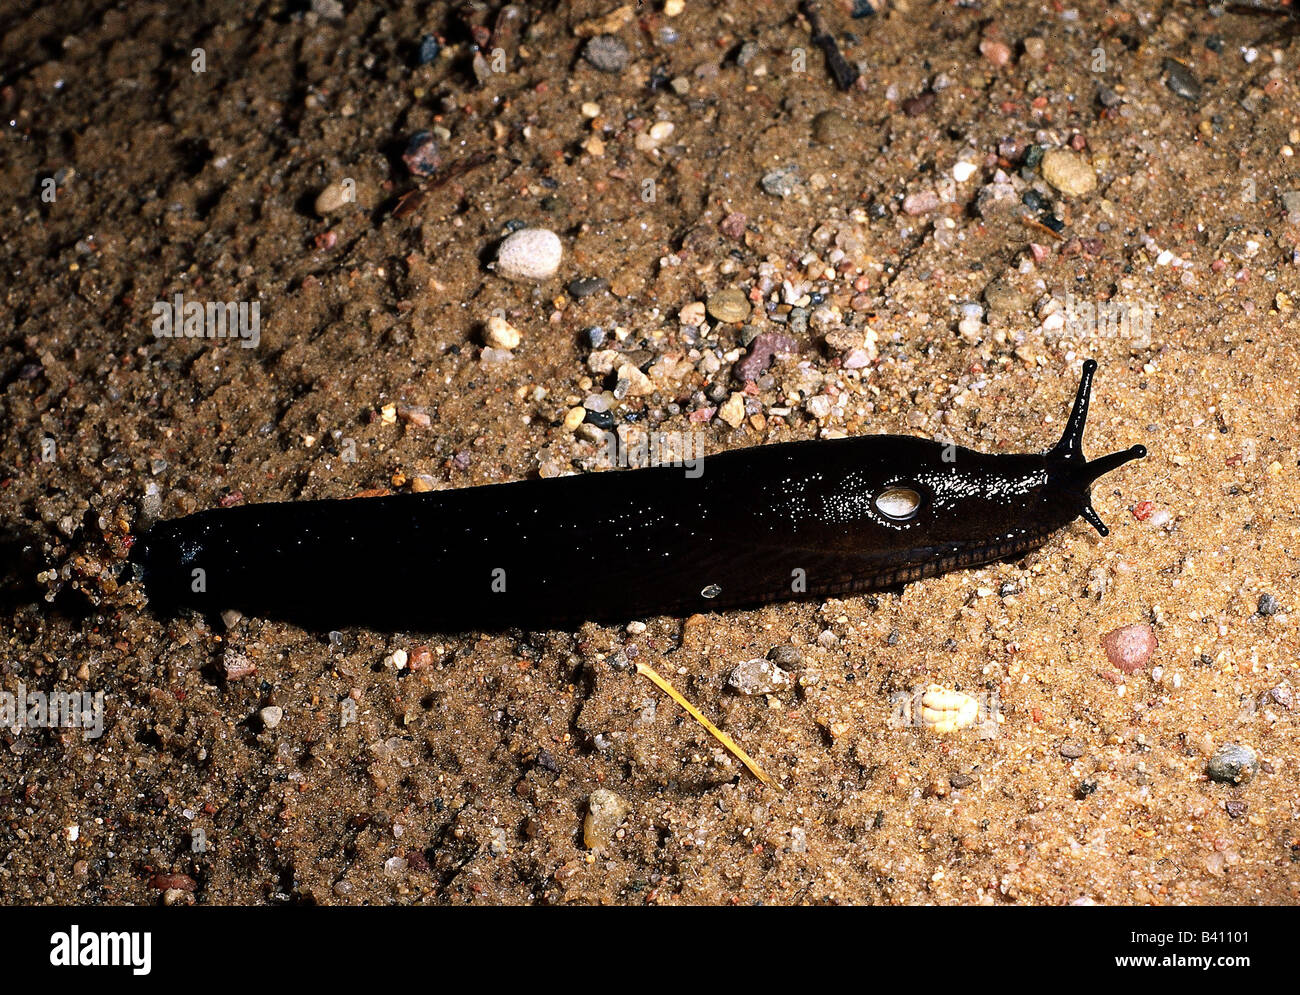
{"x":1291,"y":204}
{"x":1181,"y":80}
{"x":1130,"y":647}
{"x":271,"y":716}
{"x":918,"y":105}
{"x":786,"y":656}
{"x":1069,"y":172}
{"x":1071,"y":750}
{"x":728,"y":306}
{"x":236,"y":665}
{"x":638,"y":384}
{"x":762,"y":349}
{"x":605,"y":810}
{"x":758,"y":677}
{"x":529,"y":254}
{"x":606,"y":53}
{"x":833,"y":128}
{"x":1268,"y":605}
{"x":998,"y":53}
{"x":1283,"y":695}
{"x":733,"y":225}
{"x":1233,"y":764}
{"x":1002,"y":297}
{"x":500,"y":334}
{"x":422,"y":156}
{"x":335,"y":197}
{"x":781,"y":182}
{"x":429,"y":50}
{"x":921,"y":202}
{"x":414,"y":415}
{"x":586,"y":286}
{"x":732,"y":411}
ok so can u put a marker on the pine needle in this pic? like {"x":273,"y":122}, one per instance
{"x":718,"y":734}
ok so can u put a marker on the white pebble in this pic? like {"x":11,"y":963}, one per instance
{"x":530,"y":254}
{"x":963,"y":171}
{"x":500,"y":334}
{"x":335,"y":197}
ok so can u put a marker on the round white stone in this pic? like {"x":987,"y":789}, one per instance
{"x":530,"y":254}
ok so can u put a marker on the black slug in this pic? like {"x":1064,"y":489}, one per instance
{"x":802,"y":519}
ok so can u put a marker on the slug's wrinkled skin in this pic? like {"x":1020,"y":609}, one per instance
{"x":759,"y":525}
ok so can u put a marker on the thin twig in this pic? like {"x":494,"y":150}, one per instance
{"x":722,"y":737}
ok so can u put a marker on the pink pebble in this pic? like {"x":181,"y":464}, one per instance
{"x":921,"y":203}
{"x":1130,"y":647}
{"x":996,"y":52}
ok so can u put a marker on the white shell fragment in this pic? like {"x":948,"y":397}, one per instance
{"x":530,"y":254}
{"x":898,"y":502}
{"x":946,"y":711}
{"x":937,"y":709}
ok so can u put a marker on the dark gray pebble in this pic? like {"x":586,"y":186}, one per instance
{"x":782,"y":181}
{"x":1182,"y":80}
{"x":961,"y":780}
{"x":1108,"y":97}
{"x":587,"y":285}
{"x":1034,"y":200}
{"x":429,"y":50}
{"x":786,"y":657}
{"x":1233,"y":764}
{"x":1268,"y":605}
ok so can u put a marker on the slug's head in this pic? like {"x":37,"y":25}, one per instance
{"x":1070,"y":474}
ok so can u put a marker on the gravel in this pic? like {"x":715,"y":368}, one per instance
{"x":1233,"y":763}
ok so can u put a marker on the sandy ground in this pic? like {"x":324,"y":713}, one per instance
{"x":911,"y":256}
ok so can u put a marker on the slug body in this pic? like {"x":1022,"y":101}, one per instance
{"x":803,"y":519}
